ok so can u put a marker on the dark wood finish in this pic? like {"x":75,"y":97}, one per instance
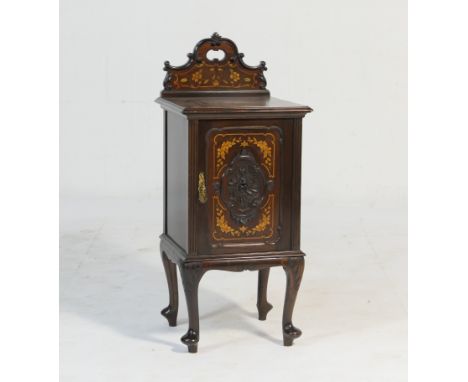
{"x":176,"y":184}
{"x":232,"y":180}
{"x":227,"y":73}
{"x":294,"y":269}
{"x":240,"y":107}
{"x":267,"y":144}
{"x":263,"y":305}
{"x":191,"y":275}
{"x":296,"y":185}
{"x":170,"y":312}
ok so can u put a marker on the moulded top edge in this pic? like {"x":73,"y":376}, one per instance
{"x":241,"y":104}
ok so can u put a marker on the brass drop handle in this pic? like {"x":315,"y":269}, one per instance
{"x":202,"y":188}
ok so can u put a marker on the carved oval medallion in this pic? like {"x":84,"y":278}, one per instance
{"x":244,"y":196}
{"x":243,"y":188}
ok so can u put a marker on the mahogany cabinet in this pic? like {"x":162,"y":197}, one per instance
{"x":232,"y":179}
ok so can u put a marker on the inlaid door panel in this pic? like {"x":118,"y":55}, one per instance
{"x":243,"y":170}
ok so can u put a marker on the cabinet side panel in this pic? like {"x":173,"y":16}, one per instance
{"x":176,"y":182}
{"x":296,"y":186}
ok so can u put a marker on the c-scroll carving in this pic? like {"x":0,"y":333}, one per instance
{"x":200,"y":73}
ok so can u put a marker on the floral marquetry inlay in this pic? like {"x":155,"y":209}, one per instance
{"x":213,"y":76}
{"x":223,"y":143}
{"x":244,"y":174}
{"x":203,"y":73}
{"x":224,"y":231}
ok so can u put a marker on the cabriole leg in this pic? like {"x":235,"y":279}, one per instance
{"x":191,"y":277}
{"x":263,"y":305}
{"x":294,"y":269}
{"x":170,"y":312}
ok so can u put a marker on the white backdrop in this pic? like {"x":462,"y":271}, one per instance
{"x":346,"y":59}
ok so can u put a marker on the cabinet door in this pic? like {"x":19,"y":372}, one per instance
{"x":244,"y":183}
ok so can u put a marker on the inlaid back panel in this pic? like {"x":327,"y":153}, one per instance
{"x":205,"y":72}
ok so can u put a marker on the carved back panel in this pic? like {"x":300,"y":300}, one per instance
{"x":225,"y":74}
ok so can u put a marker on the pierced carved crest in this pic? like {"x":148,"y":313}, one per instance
{"x":202,"y":73}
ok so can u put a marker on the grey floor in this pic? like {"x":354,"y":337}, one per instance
{"x":352,"y":306}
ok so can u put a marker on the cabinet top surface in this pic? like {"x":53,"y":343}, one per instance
{"x":230,"y":104}
{"x":216,"y":80}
